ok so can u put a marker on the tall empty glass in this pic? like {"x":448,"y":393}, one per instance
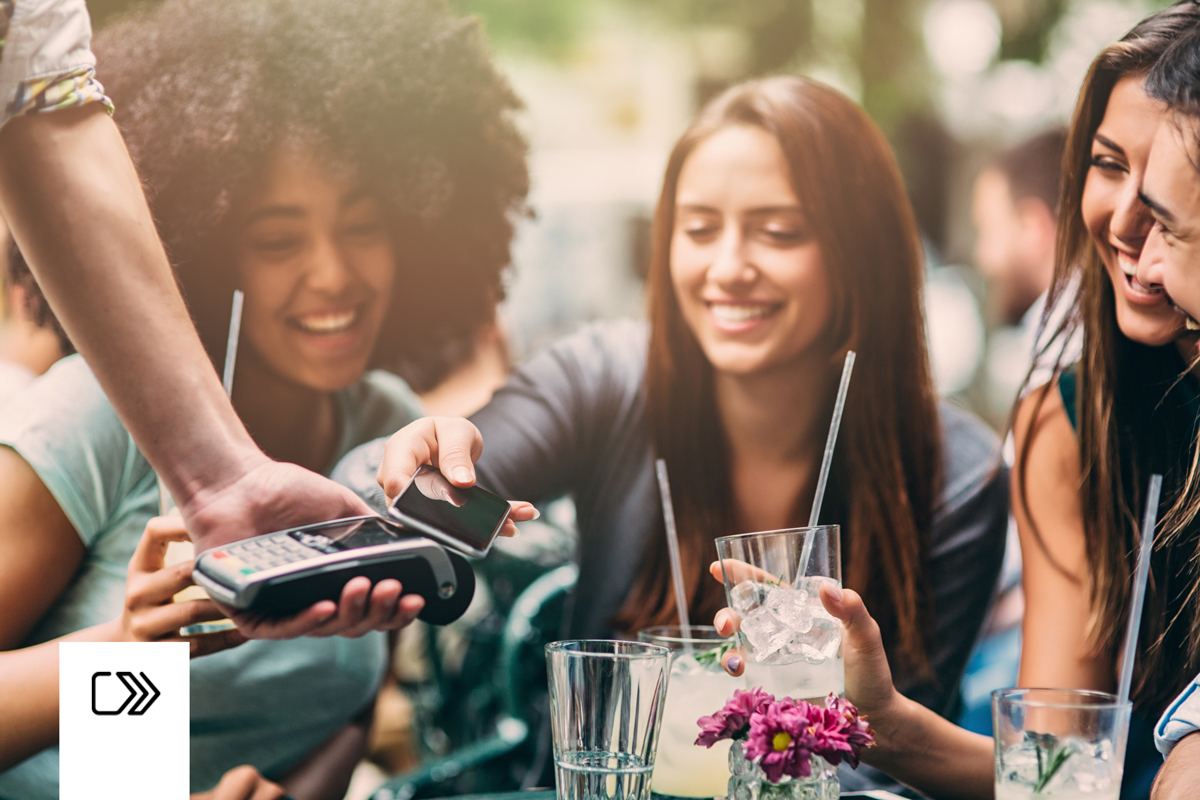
{"x":792,"y":645}
{"x":606,"y":707}
{"x":698,"y":687}
{"x":1064,"y":744}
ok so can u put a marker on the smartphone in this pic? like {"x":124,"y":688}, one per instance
{"x":466,"y":520}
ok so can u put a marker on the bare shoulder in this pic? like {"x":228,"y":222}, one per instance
{"x":39,"y":549}
{"x":1047,"y":478}
{"x":1043,"y":434}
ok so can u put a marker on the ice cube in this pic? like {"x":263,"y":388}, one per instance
{"x":1019,"y":764}
{"x":766,"y":634}
{"x":818,"y":644}
{"x":1090,"y":768}
{"x":747,"y":596}
{"x":790,"y":607}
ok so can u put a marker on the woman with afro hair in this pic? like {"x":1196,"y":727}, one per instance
{"x":353,"y":168}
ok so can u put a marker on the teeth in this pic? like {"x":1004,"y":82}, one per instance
{"x":1127,"y":264}
{"x":1190,"y":323}
{"x":731,"y":313}
{"x":328,"y":323}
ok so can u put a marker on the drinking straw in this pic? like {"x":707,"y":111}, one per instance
{"x":1139,"y":588}
{"x":823,"y":477}
{"x":664,"y":492}
{"x":231,"y":345}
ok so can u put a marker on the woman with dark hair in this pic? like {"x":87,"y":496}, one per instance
{"x":1087,"y":443}
{"x":353,"y":169}
{"x":782,"y":239}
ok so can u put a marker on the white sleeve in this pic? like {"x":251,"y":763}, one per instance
{"x":1181,"y":718}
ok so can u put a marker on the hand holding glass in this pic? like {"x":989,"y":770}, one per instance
{"x":793,"y":646}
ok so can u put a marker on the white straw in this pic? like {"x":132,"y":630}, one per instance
{"x":826,"y":461}
{"x":231,"y":345}
{"x":664,"y":491}
{"x":1138,"y":601}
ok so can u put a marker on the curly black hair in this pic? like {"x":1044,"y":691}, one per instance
{"x":401,"y":93}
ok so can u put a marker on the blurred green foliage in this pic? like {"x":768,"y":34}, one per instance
{"x":1026,"y":27}
{"x":549,"y":28}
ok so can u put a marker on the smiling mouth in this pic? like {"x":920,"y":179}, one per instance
{"x":329,"y":323}
{"x":739,"y":313}
{"x":1128,"y":266}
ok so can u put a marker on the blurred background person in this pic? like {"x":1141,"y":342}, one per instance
{"x":1015,"y":213}
{"x":31,"y":339}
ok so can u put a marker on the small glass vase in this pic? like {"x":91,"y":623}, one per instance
{"x":747,"y":781}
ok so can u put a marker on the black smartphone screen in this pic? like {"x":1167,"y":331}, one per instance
{"x":471,"y":516}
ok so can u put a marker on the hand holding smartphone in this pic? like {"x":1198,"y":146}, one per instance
{"x":465,"y":520}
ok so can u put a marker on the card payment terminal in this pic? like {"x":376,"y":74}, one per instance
{"x":287,"y":571}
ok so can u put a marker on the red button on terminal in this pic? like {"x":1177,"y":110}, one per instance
{"x":219,"y":554}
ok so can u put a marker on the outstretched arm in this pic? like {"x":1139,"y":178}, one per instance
{"x":75,"y":206}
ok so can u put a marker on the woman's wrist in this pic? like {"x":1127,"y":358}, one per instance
{"x":892,"y":723}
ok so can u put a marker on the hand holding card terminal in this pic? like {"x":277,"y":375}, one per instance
{"x":287,"y":571}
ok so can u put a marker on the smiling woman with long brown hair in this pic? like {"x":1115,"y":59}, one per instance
{"x":783,"y":238}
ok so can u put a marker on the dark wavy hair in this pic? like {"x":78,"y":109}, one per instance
{"x":399,"y":94}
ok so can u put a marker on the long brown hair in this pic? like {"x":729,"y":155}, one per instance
{"x":1132,"y":418}
{"x":886,"y":471}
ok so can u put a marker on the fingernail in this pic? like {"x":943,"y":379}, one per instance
{"x":536,"y":515}
{"x":462,"y":475}
{"x":835,"y":592}
{"x":734,"y":663}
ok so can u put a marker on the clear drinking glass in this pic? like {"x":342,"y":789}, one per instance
{"x":698,"y":687}
{"x":606,"y":707}
{"x":792,"y":645}
{"x":1064,"y":744}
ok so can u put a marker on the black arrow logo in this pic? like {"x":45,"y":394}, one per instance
{"x":136,"y":690}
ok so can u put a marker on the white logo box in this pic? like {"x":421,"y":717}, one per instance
{"x":117,"y":738}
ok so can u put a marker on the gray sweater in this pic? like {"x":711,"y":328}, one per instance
{"x":572,"y":421}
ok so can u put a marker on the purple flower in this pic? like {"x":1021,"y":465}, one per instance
{"x":780,"y":740}
{"x":783,"y":736}
{"x":732,"y":721}
{"x":839,"y":733}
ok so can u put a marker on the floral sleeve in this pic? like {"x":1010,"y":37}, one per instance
{"x":46,"y":62}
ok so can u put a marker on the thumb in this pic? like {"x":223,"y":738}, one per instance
{"x":459,"y":444}
{"x":861,"y":630}
{"x":868,"y":676}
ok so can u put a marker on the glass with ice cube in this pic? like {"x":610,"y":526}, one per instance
{"x":1063,"y":744}
{"x":698,"y":686}
{"x":792,"y":645}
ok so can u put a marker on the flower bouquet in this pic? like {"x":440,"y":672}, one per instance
{"x":786,"y":749}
